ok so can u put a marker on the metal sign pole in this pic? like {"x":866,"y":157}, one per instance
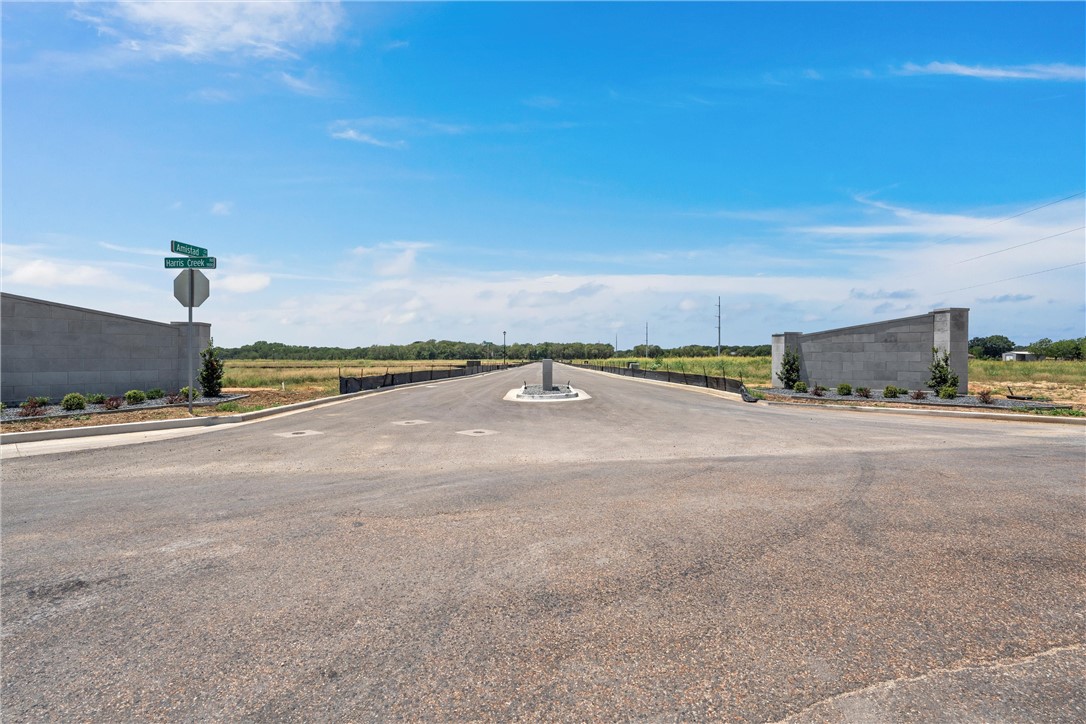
{"x":192,"y":279}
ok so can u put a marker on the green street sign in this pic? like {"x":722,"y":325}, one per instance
{"x":188,"y":249}
{"x":198,"y":262}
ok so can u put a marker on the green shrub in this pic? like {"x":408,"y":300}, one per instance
{"x":985,"y":397}
{"x":113,"y":403}
{"x":890,"y":392}
{"x":844,"y":389}
{"x":32,"y":407}
{"x":42,"y":401}
{"x":918,"y":395}
{"x":134,"y":397}
{"x":74,"y":401}
{"x":941,"y":374}
{"x":789,"y":372}
{"x":184,"y":393}
{"x":948,"y":392}
{"x":863,"y":391}
{"x":211,"y":371}
{"x":155,"y":394}
{"x":799,"y":386}
{"x":96,"y":398}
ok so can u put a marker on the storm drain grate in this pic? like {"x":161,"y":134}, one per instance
{"x":412,"y":422}
{"x":476,"y":433}
{"x":298,"y":433}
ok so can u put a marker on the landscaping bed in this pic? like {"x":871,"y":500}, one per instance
{"x":931,"y":400}
{"x":233,"y":401}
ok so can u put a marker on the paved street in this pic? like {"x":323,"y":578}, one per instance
{"x":659,"y":552}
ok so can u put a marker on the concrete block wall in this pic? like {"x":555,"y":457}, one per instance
{"x":894,"y":352}
{"x":50,"y":349}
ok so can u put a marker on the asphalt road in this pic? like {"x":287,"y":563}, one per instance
{"x":654,"y":552}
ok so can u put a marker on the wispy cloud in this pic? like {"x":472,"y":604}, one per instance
{"x":130,"y":249}
{"x":379,"y":130}
{"x":222,"y":208}
{"x":1052,"y":71}
{"x":394,"y":258}
{"x":199,"y":31}
{"x":309,"y":85}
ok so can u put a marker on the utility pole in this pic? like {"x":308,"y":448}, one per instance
{"x":718,"y":326}
{"x":503,"y":350}
{"x":646,"y":339}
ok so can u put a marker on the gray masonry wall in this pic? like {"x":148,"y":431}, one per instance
{"x":50,"y":349}
{"x":894,"y":352}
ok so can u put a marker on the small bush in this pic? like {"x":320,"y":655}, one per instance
{"x":155,"y":394}
{"x":74,"y":401}
{"x":42,"y":401}
{"x":184,"y":392}
{"x":985,"y":396}
{"x":890,"y":392}
{"x":863,"y":391}
{"x":948,"y":392}
{"x":844,"y":389}
{"x":941,"y":374}
{"x":789,"y":372}
{"x":800,"y":386}
{"x":32,"y":407}
{"x":96,"y":398}
{"x":211,"y":371}
{"x":134,"y":397}
{"x":113,"y":403}
{"x":818,"y":391}
{"x":918,"y":394}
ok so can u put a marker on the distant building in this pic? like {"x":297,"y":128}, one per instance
{"x":1019,"y":356}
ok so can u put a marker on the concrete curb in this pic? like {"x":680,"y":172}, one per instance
{"x":11,"y":438}
{"x":1010,"y":417}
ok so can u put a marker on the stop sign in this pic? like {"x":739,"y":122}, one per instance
{"x":191,"y":288}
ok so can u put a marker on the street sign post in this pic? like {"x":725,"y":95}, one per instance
{"x":187,"y":249}
{"x":190,"y":287}
{"x":191,"y":262}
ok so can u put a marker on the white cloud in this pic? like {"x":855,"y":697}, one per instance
{"x":243,"y":283}
{"x":1053,"y":71}
{"x":309,"y":85}
{"x":222,"y":208}
{"x":48,"y":273}
{"x":392,"y":259}
{"x":350,"y":134}
{"x":211,"y":95}
{"x":203,"y":30}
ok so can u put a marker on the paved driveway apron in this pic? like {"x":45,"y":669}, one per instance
{"x":437,"y":553}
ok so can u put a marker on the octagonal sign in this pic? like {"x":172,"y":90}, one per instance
{"x":194,"y":293}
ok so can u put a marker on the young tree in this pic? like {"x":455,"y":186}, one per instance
{"x":789,"y":372}
{"x":211,"y":371}
{"x":941,"y":374}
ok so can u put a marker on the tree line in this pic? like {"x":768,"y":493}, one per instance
{"x":433,"y":349}
{"x":993,"y":347}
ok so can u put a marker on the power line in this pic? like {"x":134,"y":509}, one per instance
{"x":1015,"y":216}
{"x":972,"y":258}
{"x":1020,"y":276}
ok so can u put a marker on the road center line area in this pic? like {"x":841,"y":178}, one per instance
{"x":649,"y":553}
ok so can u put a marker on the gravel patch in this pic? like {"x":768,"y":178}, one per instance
{"x":9,"y":414}
{"x":932,"y":400}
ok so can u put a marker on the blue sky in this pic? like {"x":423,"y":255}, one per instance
{"x":382,"y":173}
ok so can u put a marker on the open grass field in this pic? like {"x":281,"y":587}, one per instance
{"x":319,"y":374}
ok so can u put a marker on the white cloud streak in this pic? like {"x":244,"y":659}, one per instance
{"x":1053,"y":71}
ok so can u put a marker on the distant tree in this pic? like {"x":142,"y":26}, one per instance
{"x":990,"y":347}
{"x":1042,"y":347}
{"x":1066,"y":349}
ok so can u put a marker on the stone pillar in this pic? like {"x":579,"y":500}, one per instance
{"x":781,"y":342}
{"x":951,"y":327}
{"x":548,"y":374}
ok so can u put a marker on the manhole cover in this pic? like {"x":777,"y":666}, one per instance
{"x":411,"y":422}
{"x":298,"y":433}
{"x":476,"y":433}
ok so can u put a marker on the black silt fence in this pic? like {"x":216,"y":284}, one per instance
{"x":391,"y":379}
{"x":724,"y":384}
